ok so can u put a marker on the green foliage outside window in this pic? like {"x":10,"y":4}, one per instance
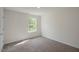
{"x":32,"y":26}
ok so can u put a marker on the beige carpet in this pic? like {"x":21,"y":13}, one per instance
{"x":39,"y":44}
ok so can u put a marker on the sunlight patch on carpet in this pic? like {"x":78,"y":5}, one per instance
{"x":22,"y":42}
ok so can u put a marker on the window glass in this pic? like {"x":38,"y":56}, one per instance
{"x":32,"y":25}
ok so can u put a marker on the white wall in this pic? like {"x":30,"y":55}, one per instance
{"x":62,"y":25}
{"x":16,"y":26}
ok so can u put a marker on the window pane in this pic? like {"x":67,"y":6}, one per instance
{"x":32,"y":26}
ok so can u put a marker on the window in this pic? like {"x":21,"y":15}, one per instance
{"x":32,"y":25}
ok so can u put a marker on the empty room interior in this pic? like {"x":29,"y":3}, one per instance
{"x":39,"y":29}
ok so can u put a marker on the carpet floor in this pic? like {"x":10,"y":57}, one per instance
{"x":40,"y":44}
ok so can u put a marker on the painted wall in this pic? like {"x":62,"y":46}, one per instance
{"x":16,"y":26}
{"x":62,"y":25}
{"x":1,"y":29}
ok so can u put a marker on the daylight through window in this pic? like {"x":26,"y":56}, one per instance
{"x":32,"y":25}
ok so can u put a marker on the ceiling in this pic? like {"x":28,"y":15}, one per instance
{"x":31,"y":10}
{"x":39,"y":11}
